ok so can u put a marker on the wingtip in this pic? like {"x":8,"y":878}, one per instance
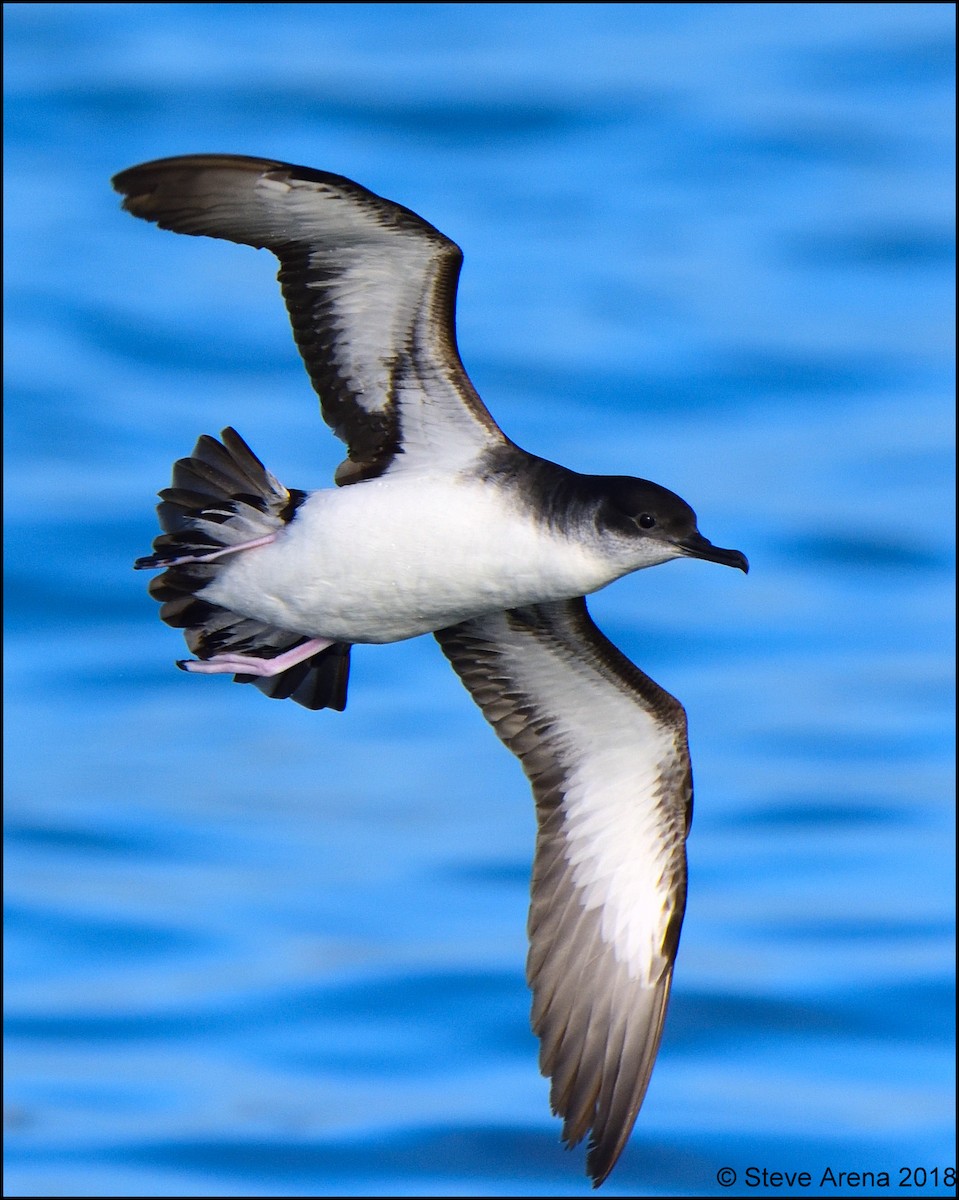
{"x":177,"y":161}
{"x":599,"y":1165}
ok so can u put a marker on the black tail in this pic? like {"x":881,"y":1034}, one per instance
{"x":320,"y":682}
{"x":223,"y":496}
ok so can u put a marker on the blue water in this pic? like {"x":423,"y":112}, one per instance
{"x":257,"y":950}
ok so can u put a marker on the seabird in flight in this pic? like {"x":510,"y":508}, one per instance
{"x":443,"y":525}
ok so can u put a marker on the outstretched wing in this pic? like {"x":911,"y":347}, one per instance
{"x":605,"y":751}
{"x":371,"y":292}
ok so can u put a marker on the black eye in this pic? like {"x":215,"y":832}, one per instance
{"x":646,"y":521}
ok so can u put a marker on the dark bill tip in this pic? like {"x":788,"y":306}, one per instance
{"x":699,"y":547}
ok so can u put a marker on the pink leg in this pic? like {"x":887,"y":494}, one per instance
{"x":153,"y":561}
{"x":245,"y":664}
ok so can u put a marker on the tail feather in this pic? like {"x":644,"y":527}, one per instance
{"x":320,"y":682}
{"x":228,"y":470}
{"x":223,"y":496}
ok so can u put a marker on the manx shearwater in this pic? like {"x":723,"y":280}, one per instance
{"x":443,"y":525}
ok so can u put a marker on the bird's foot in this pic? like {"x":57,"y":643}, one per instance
{"x":245,"y":664}
{"x":153,"y":562}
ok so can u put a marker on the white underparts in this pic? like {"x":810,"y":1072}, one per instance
{"x":401,"y":555}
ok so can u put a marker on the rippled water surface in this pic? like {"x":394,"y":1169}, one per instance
{"x":252,"y":949}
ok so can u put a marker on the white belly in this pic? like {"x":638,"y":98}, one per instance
{"x":390,"y":559}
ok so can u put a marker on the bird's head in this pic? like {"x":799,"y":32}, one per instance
{"x":643,"y":524}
